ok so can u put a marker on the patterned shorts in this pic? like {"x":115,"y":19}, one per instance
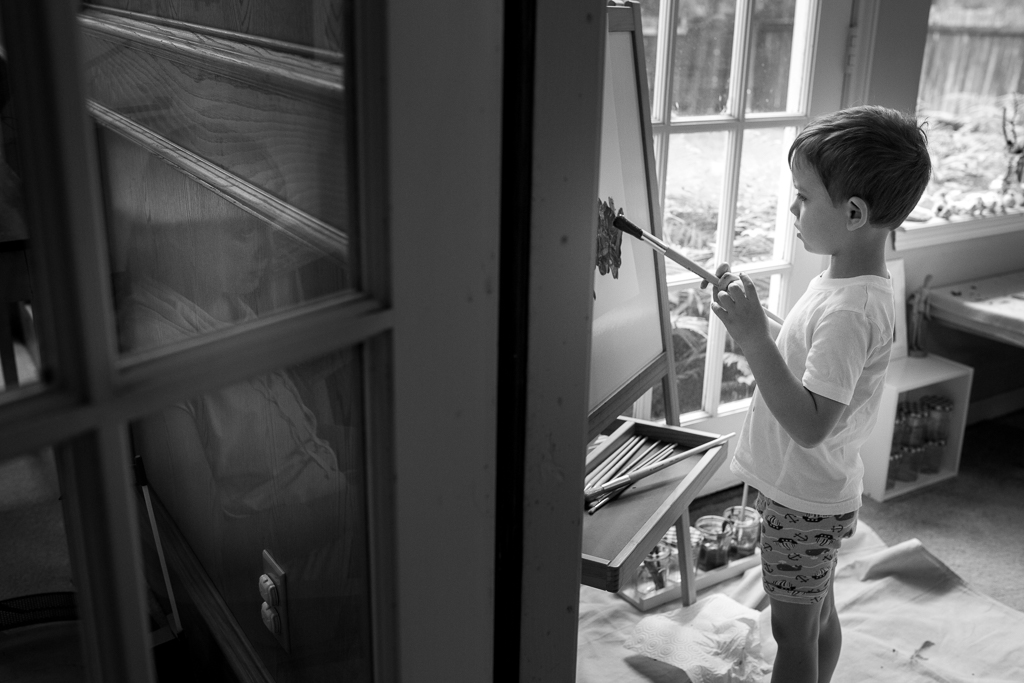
{"x":799,"y":550}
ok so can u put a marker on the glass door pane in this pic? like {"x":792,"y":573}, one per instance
{"x":702,"y":63}
{"x":226,"y":162}
{"x":693,"y":192}
{"x":39,"y":626}
{"x":764,"y":180}
{"x":20,"y":358}
{"x":274,"y":467}
{"x":771,"y":51}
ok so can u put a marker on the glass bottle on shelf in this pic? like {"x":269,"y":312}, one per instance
{"x":916,"y":426}
{"x":899,"y":428}
{"x":931,"y":459}
{"x":895,"y":463}
{"x":939,"y":410}
{"x":909,"y":463}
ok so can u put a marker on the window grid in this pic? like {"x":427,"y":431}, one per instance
{"x":734,"y":122}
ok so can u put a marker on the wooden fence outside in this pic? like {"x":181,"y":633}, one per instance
{"x":963,"y":67}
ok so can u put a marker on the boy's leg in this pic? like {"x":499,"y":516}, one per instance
{"x":830,"y":637}
{"x":796,"y":628}
{"x":798,"y":558}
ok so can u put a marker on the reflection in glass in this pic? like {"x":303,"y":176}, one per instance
{"x":693,"y":190}
{"x":689,"y":313}
{"x":737,"y":380}
{"x":702,"y":57}
{"x":20,"y":361}
{"x":38,"y":606}
{"x":185,"y":253}
{"x":275,"y":464}
{"x":226,"y":186}
{"x":771,"y":53}
{"x":764,"y":173}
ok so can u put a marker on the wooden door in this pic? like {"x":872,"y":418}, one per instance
{"x":225,"y":136}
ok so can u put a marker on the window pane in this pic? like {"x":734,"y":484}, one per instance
{"x":972,"y":76}
{"x":276,"y":463}
{"x":650,"y":12}
{"x":689,"y":313}
{"x":693,"y":190}
{"x":770,"y":55}
{"x":737,"y":380}
{"x":764,"y":174}
{"x":702,"y":57}
{"x":227,"y":191}
{"x":20,"y":361}
{"x":38,"y":605}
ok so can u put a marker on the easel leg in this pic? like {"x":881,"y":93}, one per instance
{"x":687,"y":580}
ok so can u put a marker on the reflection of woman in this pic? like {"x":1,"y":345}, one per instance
{"x":242,"y":468}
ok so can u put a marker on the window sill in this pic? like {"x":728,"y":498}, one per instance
{"x":956,"y":229}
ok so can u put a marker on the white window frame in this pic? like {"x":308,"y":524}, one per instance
{"x":815,"y":88}
{"x":885,"y":68}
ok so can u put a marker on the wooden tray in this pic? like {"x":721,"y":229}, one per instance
{"x":618,"y":536}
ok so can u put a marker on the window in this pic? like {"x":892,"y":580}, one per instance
{"x":971,"y":94}
{"x":958,"y":64}
{"x":730,"y":84}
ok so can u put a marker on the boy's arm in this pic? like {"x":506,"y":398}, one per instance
{"x":807,"y":417}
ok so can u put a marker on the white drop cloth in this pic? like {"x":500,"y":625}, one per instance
{"x":906,"y":618}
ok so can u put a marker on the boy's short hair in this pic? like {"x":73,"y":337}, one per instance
{"x":871,"y":152}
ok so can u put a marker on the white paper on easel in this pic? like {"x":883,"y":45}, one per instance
{"x":626,"y":319}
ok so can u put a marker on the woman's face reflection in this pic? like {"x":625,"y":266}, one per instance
{"x":231,"y":255}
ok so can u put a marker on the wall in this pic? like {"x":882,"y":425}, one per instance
{"x":444,"y":85}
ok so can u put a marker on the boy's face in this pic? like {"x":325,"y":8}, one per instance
{"x":820,"y":224}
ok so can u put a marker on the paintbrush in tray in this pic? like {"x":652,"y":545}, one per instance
{"x":609,"y":481}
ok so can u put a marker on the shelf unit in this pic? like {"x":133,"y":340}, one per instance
{"x":911,"y":378}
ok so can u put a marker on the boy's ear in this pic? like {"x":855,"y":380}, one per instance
{"x":856,"y":213}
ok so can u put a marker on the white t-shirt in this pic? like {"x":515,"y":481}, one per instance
{"x":837,"y":339}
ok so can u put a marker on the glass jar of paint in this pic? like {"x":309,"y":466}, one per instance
{"x":714,"y":547}
{"x":746,"y":529}
{"x":652,"y":576}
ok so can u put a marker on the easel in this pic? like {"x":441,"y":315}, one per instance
{"x":632,"y":344}
{"x":632,"y":340}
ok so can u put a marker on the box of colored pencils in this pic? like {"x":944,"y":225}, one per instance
{"x":632,"y":500}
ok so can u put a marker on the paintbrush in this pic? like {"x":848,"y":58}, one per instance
{"x":637,"y":475}
{"x":624,"y":224}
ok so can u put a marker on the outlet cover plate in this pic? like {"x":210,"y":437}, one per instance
{"x":272,"y":569}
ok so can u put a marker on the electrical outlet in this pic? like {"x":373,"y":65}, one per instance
{"x":274,"y":583}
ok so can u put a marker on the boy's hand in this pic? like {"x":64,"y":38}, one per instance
{"x":736,"y":304}
{"x":724,"y":278}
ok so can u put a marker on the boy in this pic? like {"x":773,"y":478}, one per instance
{"x":858,"y":173}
